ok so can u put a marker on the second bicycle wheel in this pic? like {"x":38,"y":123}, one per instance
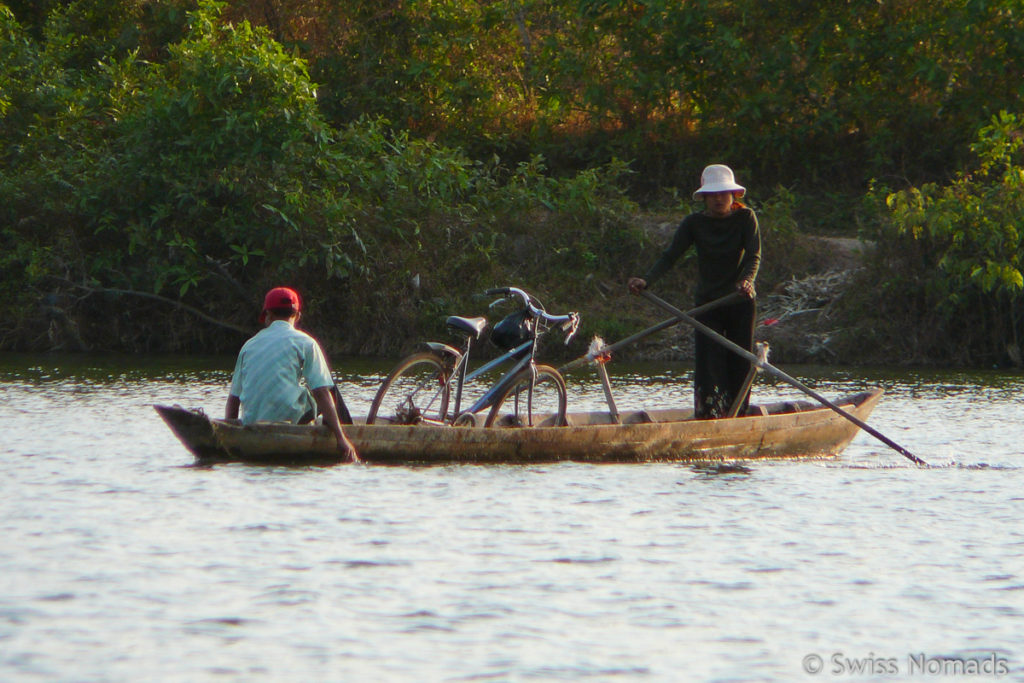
{"x":416,"y":391}
{"x":543,"y":407}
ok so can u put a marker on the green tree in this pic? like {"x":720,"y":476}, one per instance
{"x":159,"y":178}
{"x":192,"y":182}
{"x":957,"y":250}
{"x":820,"y":94}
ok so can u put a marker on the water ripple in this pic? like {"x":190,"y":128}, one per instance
{"x":124,"y":562}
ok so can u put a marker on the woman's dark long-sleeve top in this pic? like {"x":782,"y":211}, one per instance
{"x":728,"y":251}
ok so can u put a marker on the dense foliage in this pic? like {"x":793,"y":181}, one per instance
{"x":805,"y":92}
{"x":164,"y":161}
{"x":953,"y":259}
{"x":157,"y":194}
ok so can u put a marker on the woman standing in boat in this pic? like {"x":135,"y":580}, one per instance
{"x":728,"y":246}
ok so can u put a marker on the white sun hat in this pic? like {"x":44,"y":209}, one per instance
{"x":718,"y":178}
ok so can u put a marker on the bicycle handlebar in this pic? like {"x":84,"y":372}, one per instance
{"x":569,"y":322}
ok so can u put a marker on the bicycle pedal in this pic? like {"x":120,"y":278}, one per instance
{"x":510,"y":421}
{"x":466,"y":420}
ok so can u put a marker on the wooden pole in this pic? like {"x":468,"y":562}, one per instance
{"x":737,"y":403}
{"x":664,"y":324}
{"x":606,"y":384}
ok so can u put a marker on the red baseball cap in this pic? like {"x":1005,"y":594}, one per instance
{"x":280,"y":297}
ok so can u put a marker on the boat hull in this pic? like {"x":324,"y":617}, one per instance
{"x":782,"y":430}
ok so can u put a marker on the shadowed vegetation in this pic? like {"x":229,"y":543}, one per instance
{"x":165,"y":161}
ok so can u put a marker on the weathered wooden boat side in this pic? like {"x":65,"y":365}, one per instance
{"x":781,"y":430}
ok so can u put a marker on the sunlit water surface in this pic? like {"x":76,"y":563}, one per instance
{"x":121,"y":561}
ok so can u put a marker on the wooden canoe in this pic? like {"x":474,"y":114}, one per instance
{"x":791,"y":429}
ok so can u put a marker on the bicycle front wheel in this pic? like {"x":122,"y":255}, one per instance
{"x":519,"y":406}
{"x":416,"y":391}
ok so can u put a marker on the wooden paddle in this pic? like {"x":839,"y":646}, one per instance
{"x":664,"y":324}
{"x":764,"y":365}
{"x":741,"y":395}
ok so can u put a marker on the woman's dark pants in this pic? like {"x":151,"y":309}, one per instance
{"x":719,"y":373}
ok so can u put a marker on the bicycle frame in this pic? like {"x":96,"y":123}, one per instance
{"x":460,"y":375}
{"x":487,"y":399}
{"x":447,"y":369}
{"x":538,"y":315}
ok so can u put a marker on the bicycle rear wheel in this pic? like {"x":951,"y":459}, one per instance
{"x":545,"y":407}
{"x":416,"y":391}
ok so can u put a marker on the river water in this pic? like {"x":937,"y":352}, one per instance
{"x":123,"y":562}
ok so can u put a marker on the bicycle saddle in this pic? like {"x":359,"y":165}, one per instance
{"x":470,"y":326}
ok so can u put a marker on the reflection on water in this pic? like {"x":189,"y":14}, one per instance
{"x":122,"y":562}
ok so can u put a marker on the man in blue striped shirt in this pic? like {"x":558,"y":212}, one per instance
{"x":281,"y":374}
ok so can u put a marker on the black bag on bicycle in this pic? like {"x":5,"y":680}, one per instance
{"x":512,"y":330}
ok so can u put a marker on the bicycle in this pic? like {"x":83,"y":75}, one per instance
{"x":419,"y":390}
